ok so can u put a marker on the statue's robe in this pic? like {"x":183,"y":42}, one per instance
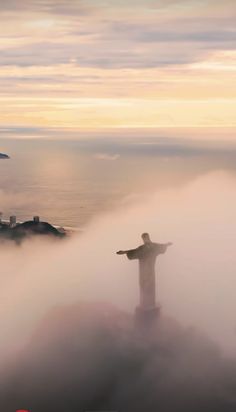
{"x":146,"y":254}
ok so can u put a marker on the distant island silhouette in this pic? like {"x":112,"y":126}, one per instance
{"x":4,"y":156}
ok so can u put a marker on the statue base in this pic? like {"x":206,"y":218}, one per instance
{"x":147,"y":317}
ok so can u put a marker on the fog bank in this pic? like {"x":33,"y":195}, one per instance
{"x":196,"y":277}
{"x":90,"y":357}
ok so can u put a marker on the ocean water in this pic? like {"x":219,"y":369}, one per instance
{"x":70,"y":182}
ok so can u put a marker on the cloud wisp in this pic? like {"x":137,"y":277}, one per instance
{"x":156,"y":50}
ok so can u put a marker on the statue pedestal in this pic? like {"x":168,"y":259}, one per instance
{"x":146,"y":317}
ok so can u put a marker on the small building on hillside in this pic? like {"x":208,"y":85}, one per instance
{"x":18,"y":231}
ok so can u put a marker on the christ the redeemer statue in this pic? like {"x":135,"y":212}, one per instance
{"x":146,"y":254}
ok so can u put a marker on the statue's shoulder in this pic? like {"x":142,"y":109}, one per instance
{"x":156,"y":246}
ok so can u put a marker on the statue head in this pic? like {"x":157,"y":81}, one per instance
{"x":146,"y":238}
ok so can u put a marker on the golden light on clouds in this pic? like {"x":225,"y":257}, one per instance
{"x":90,"y":65}
{"x":105,"y":112}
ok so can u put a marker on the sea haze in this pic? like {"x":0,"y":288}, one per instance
{"x":69,"y":181}
{"x":69,"y":304}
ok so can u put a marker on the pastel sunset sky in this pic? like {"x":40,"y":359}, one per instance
{"x":95,"y":64}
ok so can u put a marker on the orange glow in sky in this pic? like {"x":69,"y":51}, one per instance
{"x":112,"y":64}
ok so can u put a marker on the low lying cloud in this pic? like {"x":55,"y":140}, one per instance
{"x":90,"y":357}
{"x":61,"y":350}
{"x":106,"y":156}
{"x":196,"y":277}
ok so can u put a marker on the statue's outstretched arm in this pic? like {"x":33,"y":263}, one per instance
{"x":131,"y":254}
{"x":162,"y":247}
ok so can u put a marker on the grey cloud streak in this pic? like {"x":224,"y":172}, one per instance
{"x":114,"y":55}
{"x":47,"y":6}
{"x":114,"y":51}
{"x":117,"y":42}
